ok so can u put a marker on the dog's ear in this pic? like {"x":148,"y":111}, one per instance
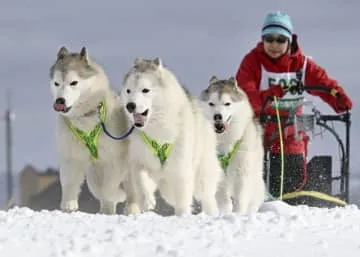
{"x":137,"y":61}
{"x":204,"y":95}
{"x":241,"y":94}
{"x":62,"y":53}
{"x":233,"y":81}
{"x":157,"y":61}
{"x":213,"y":79}
{"x":84,"y":53}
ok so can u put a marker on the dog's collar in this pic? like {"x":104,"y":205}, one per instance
{"x":225,"y":159}
{"x":90,"y":139}
{"x":160,"y":151}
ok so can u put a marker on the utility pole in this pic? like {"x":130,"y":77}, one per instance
{"x":9,"y":118}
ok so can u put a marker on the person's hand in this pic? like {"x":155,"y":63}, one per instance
{"x":274,"y":91}
{"x":295,"y":89}
{"x":344,"y":103}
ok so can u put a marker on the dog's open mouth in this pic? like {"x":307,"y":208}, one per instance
{"x":219,"y":127}
{"x":61,"y":108}
{"x":140,"y":118}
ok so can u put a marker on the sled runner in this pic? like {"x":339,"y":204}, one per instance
{"x":322,"y":185}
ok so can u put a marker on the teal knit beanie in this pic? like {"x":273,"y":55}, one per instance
{"x":278,"y":22}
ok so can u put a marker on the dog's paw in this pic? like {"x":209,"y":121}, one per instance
{"x":148,"y":203}
{"x":132,"y":209}
{"x":225,"y":209}
{"x":108,"y":208}
{"x":69,"y":206}
{"x":183,"y":211}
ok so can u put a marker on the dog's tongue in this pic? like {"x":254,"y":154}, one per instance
{"x":59,"y":107}
{"x":139,"y":119}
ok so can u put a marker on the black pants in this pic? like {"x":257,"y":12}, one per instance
{"x":293,"y":175}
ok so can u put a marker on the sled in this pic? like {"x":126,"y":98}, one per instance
{"x":324,"y":184}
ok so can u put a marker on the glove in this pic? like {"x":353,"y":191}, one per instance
{"x":275,"y":90}
{"x":343,"y":104}
{"x":295,"y":90}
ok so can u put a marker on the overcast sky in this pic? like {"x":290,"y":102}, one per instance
{"x":196,"y":39}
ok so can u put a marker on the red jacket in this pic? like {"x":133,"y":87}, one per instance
{"x":249,"y":78}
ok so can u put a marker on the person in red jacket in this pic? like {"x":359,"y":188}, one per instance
{"x":270,"y":69}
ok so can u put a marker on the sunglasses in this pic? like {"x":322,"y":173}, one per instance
{"x":279,"y":39}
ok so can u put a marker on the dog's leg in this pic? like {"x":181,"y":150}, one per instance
{"x":145,"y":188}
{"x":208,"y":180}
{"x":242,"y":192}
{"x":132,"y":206}
{"x":183,"y":197}
{"x":183,"y":180}
{"x":258,"y":197}
{"x":105,"y":183}
{"x":223,"y":197}
{"x":72,"y":173}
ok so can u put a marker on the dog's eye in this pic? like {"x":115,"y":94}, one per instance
{"x":145,"y":90}
{"x":73,"y":83}
{"x":128,"y":91}
{"x":211,"y":104}
{"x":227,"y":104}
{"x":56,"y":84}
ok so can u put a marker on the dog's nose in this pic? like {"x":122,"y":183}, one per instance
{"x":217,"y":117}
{"x":219,"y":126}
{"x":60,"y":100}
{"x":131,"y":107}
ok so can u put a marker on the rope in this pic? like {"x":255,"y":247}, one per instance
{"x":315,"y":194}
{"x":281,"y":148}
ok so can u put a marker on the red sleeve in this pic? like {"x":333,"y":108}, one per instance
{"x":316,"y":75}
{"x":248,"y":77}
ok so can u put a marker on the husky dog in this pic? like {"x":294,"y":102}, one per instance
{"x":240,"y":146}
{"x":173,"y":148}
{"x":80,"y":91}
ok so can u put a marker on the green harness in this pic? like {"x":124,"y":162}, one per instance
{"x":160,"y":151}
{"x":90,"y":139}
{"x":225,"y":159}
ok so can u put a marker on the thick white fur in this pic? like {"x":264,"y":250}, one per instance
{"x":106,"y":174}
{"x":174,"y":117}
{"x":244,"y":180}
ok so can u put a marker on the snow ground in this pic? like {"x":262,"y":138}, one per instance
{"x":276,"y":231}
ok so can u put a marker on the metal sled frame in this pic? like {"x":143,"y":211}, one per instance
{"x":321,"y":121}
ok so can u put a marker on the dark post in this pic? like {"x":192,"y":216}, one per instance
{"x":9,"y":117}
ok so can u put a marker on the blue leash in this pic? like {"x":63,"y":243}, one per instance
{"x":108,"y":133}
{"x":113,"y":137}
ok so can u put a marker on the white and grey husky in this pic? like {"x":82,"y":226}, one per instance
{"x":80,"y":88}
{"x":173,"y":147}
{"x":240,"y":145}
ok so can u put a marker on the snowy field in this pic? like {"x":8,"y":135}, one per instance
{"x":279,"y":232}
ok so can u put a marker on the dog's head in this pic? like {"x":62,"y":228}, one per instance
{"x":141,"y":84}
{"x":222,"y":99}
{"x":70,"y":76}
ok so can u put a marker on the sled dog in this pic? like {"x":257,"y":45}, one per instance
{"x":240,"y":146}
{"x":81,"y":95}
{"x":173,"y":148}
